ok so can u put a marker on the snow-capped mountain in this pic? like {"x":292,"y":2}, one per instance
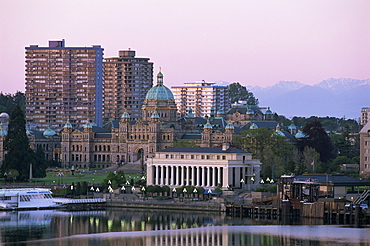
{"x":332,"y":97}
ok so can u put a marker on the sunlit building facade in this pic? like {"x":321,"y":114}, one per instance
{"x":63,"y":84}
{"x":201,"y":97}
{"x":127,"y":79}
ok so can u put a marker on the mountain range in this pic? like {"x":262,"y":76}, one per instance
{"x":339,"y":98}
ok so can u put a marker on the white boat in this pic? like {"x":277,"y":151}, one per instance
{"x":27,"y":198}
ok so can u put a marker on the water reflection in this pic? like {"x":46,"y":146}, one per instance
{"x":129,"y":227}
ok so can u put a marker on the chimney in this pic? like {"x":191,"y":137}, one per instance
{"x":225,"y":146}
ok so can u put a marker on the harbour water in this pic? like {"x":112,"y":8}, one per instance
{"x":160,"y":227}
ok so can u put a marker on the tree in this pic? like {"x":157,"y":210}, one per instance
{"x":344,"y":144}
{"x":115,"y":178}
{"x":272,"y":149}
{"x":318,"y":139}
{"x":39,"y":164}
{"x":8,"y":102}
{"x":237,"y":92}
{"x":19,"y":154}
{"x":184,"y":143}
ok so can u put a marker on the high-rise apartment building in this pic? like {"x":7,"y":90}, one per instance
{"x":365,"y":115}
{"x":127,"y":79}
{"x":63,"y":84}
{"x":201,"y":97}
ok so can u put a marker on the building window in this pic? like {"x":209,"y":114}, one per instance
{"x":191,"y":156}
{"x":223,"y":157}
{"x":181,"y":156}
{"x":202,"y":157}
{"x":167,"y":156}
{"x":208,"y":157}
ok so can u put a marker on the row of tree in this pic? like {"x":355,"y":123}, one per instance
{"x":317,"y":152}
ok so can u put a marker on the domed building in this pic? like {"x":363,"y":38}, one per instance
{"x":128,"y":141}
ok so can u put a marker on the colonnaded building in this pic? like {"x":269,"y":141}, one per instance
{"x":205,"y":167}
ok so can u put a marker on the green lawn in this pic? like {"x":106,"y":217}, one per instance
{"x":90,"y":177}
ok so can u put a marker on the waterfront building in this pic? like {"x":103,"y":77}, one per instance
{"x":365,"y":150}
{"x":201,"y":97}
{"x":204,"y":167}
{"x":127,"y":79}
{"x":63,"y":83}
{"x":365,"y":115}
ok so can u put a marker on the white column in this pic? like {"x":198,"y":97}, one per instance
{"x":167,"y":181}
{"x":149,"y":175}
{"x":156,"y":175}
{"x":219,"y":178}
{"x":226,"y":178}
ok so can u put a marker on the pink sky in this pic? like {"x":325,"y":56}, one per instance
{"x":255,"y":42}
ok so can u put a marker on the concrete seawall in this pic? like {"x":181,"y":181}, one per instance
{"x":167,"y":205}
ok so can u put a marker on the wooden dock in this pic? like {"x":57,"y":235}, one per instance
{"x":328,"y":212}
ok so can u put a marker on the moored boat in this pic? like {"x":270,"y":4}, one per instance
{"x":27,"y":198}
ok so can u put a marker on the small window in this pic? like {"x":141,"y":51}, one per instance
{"x":167,"y":156}
{"x":181,"y":156}
{"x":192,"y":157}
{"x":223,"y":157}
{"x":202,"y":157}
{"x":208,"y":157}
{"x":218,"y":157}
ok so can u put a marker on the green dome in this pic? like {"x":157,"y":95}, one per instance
{"x":268,"y":111}
{"x":300,"y":134}
{"x":68,"y":125}
{"x":125,"y":115}
{"x":159,"y":92}
{"x":49,"y":132}
{"x":155,"y":115}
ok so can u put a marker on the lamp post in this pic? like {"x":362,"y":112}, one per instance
{"x":209,"y":195}
{"x":242,"y":182}
{"x":184,"y":192}
{"x":143,"y":190}
{"x":195,"y":192}
{"x":174,"y":192}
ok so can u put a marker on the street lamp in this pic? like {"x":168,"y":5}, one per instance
{"x":184,"y":191}
{"x":209,"y":195}
{"x":242,"y":182}
{"x":143,"y":190}
{"x":195,"y":191}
